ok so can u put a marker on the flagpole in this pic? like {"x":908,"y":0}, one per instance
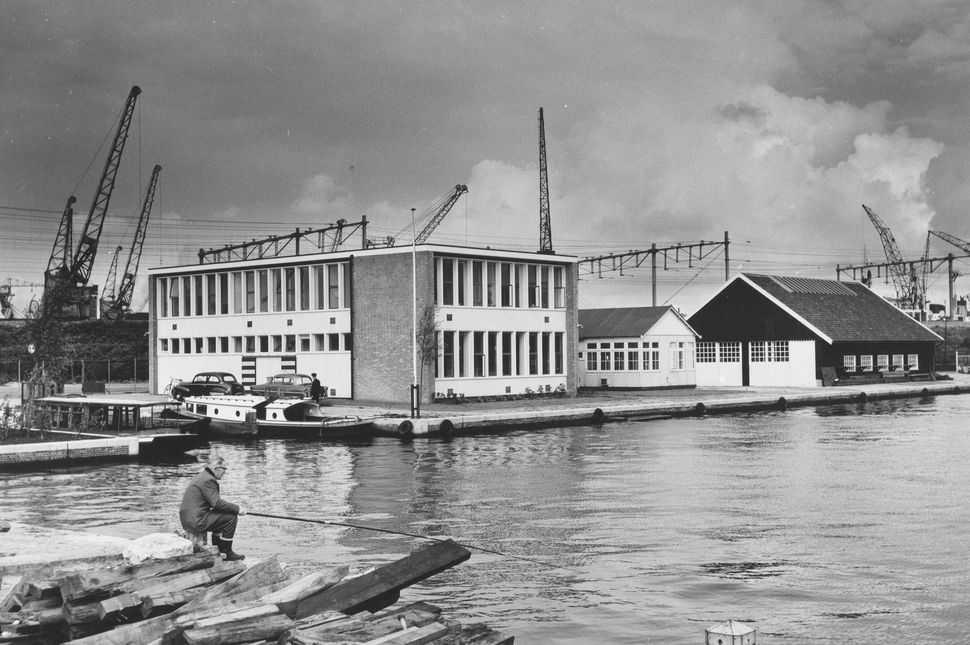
{"x":415,"y":394}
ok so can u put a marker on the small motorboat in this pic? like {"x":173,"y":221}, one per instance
{"x":250,"y":416}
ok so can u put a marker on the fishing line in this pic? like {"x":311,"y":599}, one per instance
{"x":414,"y":535}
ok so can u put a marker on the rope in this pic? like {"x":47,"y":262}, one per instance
{"x":414,"y":535}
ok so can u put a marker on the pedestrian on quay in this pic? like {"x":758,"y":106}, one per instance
{"x":203,"y":509}
{"x":315,"y":388}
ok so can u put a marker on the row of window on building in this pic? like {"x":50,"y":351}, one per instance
{"x":899,"y":362}
{"x":636,"y":356}
{"x":762,"y":351}
{"x":270,"y":344}
{"x":480,"y":283}
{"x":500,"y":353}
{"x":298,"y":288}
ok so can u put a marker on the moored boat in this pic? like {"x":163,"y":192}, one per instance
{"x":256,"y":416}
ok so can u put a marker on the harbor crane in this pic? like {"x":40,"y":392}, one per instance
{"x":74,"y":273}
{"x":545,"y":221}
{"x":117,"y":304}
{"x":910,"y":292}
{"x":439,"y":211}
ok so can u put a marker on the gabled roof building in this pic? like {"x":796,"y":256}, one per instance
{"x":763,"y":330}
{"x":635,"y":348}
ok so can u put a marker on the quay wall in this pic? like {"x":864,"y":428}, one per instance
{"x":441,"y":422}
{"x":122,"y":448}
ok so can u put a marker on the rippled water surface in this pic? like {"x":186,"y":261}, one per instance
{"x":843,"y":524}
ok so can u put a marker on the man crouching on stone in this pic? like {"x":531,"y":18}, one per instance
{"x":203,"y":509}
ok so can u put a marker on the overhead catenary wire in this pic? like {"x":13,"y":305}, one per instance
{"x":414,"y":535}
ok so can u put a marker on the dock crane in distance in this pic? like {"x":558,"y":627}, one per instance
{"x":76,"y":274}
{"x":440,"y":210}
{"x":545,"y":221}
{"x":909,"y":289}
{"x":114,"y":304}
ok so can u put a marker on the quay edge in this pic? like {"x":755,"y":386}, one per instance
{"x":546,"y":413}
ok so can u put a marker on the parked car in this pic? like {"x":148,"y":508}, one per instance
{"x":285,"y":386}
{"x":205,"y":383}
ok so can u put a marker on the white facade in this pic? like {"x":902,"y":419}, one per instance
{"x":662,"y":357}
{"x":505,"y":321}
{"x":778,"y":363}
{"x":500,"y":323}
{"x":255,"y":320}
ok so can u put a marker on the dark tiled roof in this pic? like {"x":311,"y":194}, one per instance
{"x":843,"y":311}
{"x":623,"y":322}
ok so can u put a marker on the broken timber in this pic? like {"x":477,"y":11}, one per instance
{"x":201,"y":600}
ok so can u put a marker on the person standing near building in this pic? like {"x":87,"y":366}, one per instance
{"x":315,"y":388}
{"x":203,"y":509}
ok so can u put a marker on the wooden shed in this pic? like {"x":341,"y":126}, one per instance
{"x":764,"y":330}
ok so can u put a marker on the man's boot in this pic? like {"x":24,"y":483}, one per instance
{"x":217,"y":541}
{"x":226,"y":549}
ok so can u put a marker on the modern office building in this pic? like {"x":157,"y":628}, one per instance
{"x":503,"y":321}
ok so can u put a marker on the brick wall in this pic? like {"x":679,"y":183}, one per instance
{"x":83,"y":450}
{"x":382,"y":324}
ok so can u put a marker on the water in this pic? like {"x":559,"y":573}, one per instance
{"x":842,"y":524}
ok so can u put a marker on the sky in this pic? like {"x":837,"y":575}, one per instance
{"x":667,"y":122}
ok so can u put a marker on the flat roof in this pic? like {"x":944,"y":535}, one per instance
{"x":117,"y":400}
{"x":338,"y":256}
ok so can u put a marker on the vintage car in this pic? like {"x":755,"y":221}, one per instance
{"x":205,"y":383}
{"x":285,"y":386}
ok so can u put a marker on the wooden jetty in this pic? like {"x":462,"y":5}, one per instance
{"x":199,"y":599}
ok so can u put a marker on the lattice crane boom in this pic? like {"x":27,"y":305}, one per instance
{"x":545,"y":219}
{"x":87,"y":246}
{"x":963,"y":245}
{"x":59,"y":264}
{"x":440,"y":210}
{"x":909,"y":290}
{"x":118,"y":304}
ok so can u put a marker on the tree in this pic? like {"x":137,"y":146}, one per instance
{"x":51,"y":352}
{"x":427,"y":339}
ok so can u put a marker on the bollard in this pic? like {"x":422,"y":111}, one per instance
{"x":730,"y":633}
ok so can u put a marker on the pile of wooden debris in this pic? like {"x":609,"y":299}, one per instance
{"x":200,"y":599}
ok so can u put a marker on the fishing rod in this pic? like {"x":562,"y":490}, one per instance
{"x":414,"y":535}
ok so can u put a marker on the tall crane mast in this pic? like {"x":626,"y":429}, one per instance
{"x":440,"y":210}
{"x":545,"y":222}
{"x":115,"y":305}
{"x":87,"y":246}
{"x":909,"y":289}
{"x":108,"y":295}
{"x":59,"y":264}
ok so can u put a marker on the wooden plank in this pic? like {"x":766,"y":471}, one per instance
{"x":350,"y":596}
{"x":243,"y":631}
{"x":125,"y":605}
{"x":42,"y":604}
{"x":132,"y":634}
{"x":256,"y":611}
{"x":413,"y":635}
{"x":85,"y":585}
{"x":49,"y":588}
{"x":158,"y":604}
{"x":308,"y":585}
{"x":262,"y":574}
{"x":365,"y":628}
{"x":181,"y":581}
{"x":81,"y":613}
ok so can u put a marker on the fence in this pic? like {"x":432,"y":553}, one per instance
{"x":106,"y":371}
{"x":962,"y":362}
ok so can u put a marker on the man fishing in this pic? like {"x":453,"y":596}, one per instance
{"x":203,"y":508}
